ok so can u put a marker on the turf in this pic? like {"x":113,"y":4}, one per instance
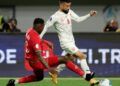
{"x":62,"y":82}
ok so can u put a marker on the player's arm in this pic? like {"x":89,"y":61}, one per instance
{"x":38,"y":52}
{"x":77,"y":18}
{"x":50,"y":44}
{"x":35,"y":44}
{"x":37,"y":49}
{"x":48,"y":24}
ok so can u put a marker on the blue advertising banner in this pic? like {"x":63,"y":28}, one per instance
{"x":11,"y":54}
{"x":102,"y":51}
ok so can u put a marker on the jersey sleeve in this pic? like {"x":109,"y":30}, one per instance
{"x":77,"y":18}
{"x":48,"y":24}
{"x":50,"y":44}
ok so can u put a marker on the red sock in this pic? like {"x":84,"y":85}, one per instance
{"x":70,"y":65}
{"x":27,"y":79}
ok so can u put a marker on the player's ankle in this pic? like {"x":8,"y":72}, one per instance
{"x":89,"y":76}
{"x":16,"y":81}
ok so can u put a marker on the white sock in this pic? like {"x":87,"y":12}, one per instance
{"x":16,"y":81}
{"x":60,"y":68}
{"x":84,"y":76}
{"x":84,"y":66}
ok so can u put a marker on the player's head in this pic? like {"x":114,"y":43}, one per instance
{"x":13,"y":22}
{"x":38,"y":24}
{"x":65,"y":5}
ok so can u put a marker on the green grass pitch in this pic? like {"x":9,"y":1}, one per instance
{"x":61,"y":82}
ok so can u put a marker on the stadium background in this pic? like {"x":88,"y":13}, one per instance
{"x":102,"y":49}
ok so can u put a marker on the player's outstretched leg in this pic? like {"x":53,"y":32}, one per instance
{"x":83,"y":62}
{"x":85,"y":67}
{"x":88,"y":76}
{"x":37,"y":76}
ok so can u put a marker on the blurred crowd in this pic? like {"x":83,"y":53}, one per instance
{"x":9,"y":25}
{"x":112,"y":26}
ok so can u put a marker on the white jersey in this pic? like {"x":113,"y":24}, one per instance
{"x":63,"y":25}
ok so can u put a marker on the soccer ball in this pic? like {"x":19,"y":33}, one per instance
{"x":105,"y":82}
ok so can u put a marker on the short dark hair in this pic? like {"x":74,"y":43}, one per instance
{"x":62,"y":1}
{"x":12,"y":19}
{"x":38,"y":21}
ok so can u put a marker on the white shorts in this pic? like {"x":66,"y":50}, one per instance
{"x":70,"y":48}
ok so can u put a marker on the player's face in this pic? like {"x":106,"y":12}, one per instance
{"x":13,"y":23}
{"x":40,"y":28}
{"x":65,"y":7}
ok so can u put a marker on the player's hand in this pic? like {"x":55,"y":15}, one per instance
{"x":93,"y":13}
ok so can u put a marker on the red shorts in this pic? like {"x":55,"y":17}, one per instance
{"x":37,"y":65}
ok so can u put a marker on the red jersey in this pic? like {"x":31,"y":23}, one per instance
{"x":33,"y":43}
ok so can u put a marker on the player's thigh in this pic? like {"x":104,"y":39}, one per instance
{"x":39,"y":72}
{"x":36,"y":65}
{"x":71,"y":49}
{"x":53,"y":61}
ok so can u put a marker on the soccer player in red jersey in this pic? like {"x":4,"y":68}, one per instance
{"x":40,"y":56}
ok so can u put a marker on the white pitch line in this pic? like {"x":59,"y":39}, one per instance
{"x":67,"y":78}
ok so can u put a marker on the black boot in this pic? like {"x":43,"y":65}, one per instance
{"x":89,"y":76}
{"x":11,"y":82}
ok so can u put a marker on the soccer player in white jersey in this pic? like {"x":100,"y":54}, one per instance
{"x":62,"y":21}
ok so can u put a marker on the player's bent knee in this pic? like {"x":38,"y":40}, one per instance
{"x":80,"y":55}
{"x":40,"y":78}
{"x":39,"y":75}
